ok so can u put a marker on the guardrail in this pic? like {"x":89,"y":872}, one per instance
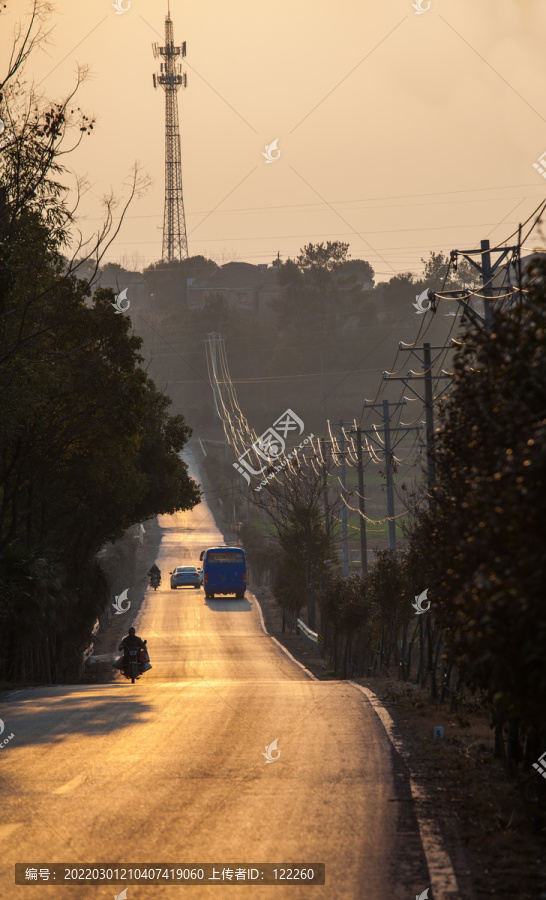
{"x":313,"y":639}
{"x":86,"y":655}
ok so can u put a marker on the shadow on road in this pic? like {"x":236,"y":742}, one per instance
{"x":77,"y":713}
{"x":228,"y":604}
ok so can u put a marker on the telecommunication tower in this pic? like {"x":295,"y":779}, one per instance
{"x":170,"y":77}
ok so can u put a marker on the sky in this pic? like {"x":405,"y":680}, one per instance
{"x":399,"y":132}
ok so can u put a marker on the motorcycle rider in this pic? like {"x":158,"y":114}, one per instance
{"x":155,"y":572}
{"x":131,"y":642}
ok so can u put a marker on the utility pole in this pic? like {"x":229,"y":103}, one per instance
{"x":170,"y":77}
{"x":360,"y":468}
{"x":388,"y":449}
{"x":487,"y":271}
{"x":361,"y":507}
{"x":487,"y":274}
{"x":344,"y":545}
{"x":388,"y":470}
{"x":371,"y":434}
{"x":215,"y":385}
{"x":325,"y":485}
{"x":429,"y":417}
{"x":429,"y":399}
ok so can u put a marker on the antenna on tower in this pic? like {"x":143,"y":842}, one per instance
{"x":170,"y":77}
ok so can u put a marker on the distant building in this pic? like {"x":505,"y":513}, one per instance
{"x":245,"y":287}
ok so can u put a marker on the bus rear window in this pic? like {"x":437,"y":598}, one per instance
{"x":219,"y":558}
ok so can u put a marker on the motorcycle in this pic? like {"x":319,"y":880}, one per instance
{"x":132,"y":666}
{"x":155,"y":581}
{"x":135,"y":663}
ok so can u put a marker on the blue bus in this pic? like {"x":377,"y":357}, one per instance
{"x":224,"y":571}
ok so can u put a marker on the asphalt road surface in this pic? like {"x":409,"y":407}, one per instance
{"x":171,"y":770}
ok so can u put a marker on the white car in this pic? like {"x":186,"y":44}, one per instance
{"x":185,"y":576}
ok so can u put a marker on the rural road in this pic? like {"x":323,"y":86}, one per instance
{"x":170,"y":770}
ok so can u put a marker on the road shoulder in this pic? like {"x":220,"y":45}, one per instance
{"x":477,"y":810}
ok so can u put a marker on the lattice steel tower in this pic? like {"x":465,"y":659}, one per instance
{"x":175,"y":241}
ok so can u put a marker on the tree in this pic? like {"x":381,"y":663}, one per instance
{"x":356,"y":279}
{"x":347,"y":615}
{"x":169,"y":280}
{"x":87,"y":447}
{"x":310,"y":288}
{"x":436,"y":267}
{"x":483,"y":531}
{"x":395,"y":297}
{"x":386,"y":587}
{"x":355,"y":272}
{"x":318,"y":260}
{"x":293,"y":503}
{"x":215,"y":315}
{"x":301,"y":563}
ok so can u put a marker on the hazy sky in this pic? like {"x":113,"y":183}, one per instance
{"x":399,"y":133}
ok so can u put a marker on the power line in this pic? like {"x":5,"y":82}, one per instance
{"x":359,"y":200}
{"x":327,"y":234}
